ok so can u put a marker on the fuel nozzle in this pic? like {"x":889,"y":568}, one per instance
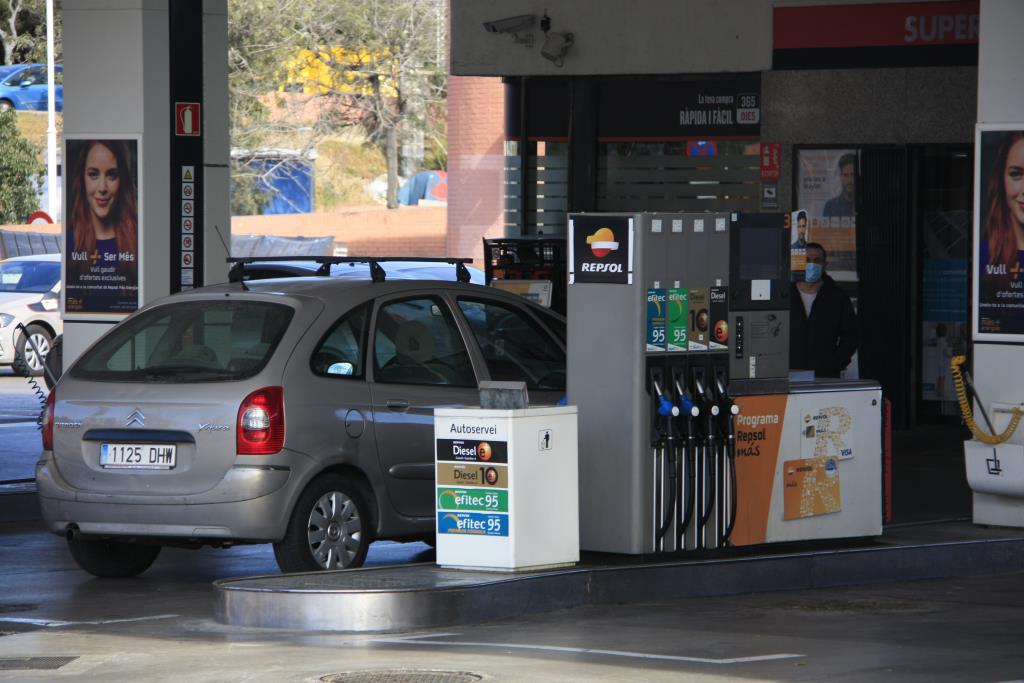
{"x":704,"y":395}
{"x":665,"y":406}
{"x":687,"y":406}
{"x":729,"y":406}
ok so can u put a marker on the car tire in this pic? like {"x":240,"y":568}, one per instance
{"x":26,"y":361}
{"x":112,"y":559}
{"x":5,"y":105}
{"x":330,"y":527}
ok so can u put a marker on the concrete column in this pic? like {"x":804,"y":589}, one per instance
{"x":116,"y":83}
{"x":999,"y":368}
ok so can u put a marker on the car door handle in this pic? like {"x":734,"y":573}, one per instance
{"x":397,"y":404}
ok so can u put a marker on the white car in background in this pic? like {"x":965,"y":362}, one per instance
{"x":30,"y":295}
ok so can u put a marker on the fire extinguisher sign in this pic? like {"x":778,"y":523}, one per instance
{"x":186,"y":119}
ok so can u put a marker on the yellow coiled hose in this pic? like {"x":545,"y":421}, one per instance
{"x":965,"y":409}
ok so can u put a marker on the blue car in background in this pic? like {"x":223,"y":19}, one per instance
{"x":23,"y":86}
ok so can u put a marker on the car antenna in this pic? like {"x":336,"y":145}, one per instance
{"x":241,"y":271}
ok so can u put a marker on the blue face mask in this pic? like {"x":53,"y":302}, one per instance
{"x":813,"y":272}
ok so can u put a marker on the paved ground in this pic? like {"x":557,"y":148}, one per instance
{"x":160,"y":627}
{"x":20,"y":444}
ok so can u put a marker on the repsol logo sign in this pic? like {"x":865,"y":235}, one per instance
{"x":601,"y":267}
{"x":601,"y":247}
{"x":757,"y":420}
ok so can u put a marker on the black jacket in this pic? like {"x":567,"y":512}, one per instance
{"x":826,"y":341}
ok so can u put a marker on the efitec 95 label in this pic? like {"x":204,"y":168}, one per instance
{"x":472,"y":524}
{"x":483,"y":500}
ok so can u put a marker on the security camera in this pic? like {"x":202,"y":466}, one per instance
{"x":510,"y":25}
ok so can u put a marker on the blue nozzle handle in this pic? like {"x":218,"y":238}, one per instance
{"x":687,"y":406}
{"x":665,"y":407}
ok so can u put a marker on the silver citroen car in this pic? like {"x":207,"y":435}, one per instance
{"x":297,"y":412}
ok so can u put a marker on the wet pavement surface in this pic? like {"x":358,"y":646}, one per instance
{"x":58,"y":623}
{"x":161,"y":627}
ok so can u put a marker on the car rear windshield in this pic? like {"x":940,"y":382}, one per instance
{"x":190,"y":341}
{"x":29,"y":276}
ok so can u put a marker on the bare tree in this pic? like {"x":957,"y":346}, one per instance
{"x":386,"y":65}
{"x":9,"y":10}
{"x":378,"y":65}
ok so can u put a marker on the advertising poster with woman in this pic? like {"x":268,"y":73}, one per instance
{"x":825,"y":187}
{"x":101,"y":226}
{"x":999,"y":233}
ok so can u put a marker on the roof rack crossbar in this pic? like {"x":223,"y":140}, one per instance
{"x":349,"y":259}
{"x":377,"y":273}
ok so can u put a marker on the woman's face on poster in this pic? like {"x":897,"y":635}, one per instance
{"x":1013,"y":181}
{"x":102,"y":180}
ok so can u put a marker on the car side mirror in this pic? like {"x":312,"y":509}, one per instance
{"x":25,"y":84}
{"x":344,"y":368}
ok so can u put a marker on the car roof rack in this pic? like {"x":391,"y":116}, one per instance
{"x":377,"y":273}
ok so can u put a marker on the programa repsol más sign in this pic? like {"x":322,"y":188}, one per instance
{"x":601,"y":249}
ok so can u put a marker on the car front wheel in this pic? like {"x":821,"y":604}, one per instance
{"x":330,"y":528}
{"x":29,"y":358}
{"x":112,"y":559}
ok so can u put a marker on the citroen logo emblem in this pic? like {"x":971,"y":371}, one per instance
{"x":136,"y":418}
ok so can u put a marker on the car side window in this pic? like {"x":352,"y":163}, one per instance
{"x":514,"y":346}
{"x":416,"y":341}
{"x":340,"y":352}
{"x":33,"y":76}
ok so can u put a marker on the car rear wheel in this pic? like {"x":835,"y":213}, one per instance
{"x":27,"y":360}
{"x":112,"y":559}
{"x":5,"y":105}
{"x":330,"y":528}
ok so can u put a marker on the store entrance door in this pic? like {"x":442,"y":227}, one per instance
{"x":940,"y":216}
{"x":914,"y":244}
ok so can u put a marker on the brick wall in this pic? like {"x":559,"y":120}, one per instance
{"x":476,"y":158}
{"x":49,"y":228}
{"x":366,"y":231}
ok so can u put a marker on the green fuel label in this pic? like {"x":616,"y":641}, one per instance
{"x":656,"y":301}
{"x":481,"y":500}
{"x":675,"y":326}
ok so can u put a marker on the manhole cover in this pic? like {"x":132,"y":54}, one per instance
{"x":36,"y":663}
{"x":402,"y":676}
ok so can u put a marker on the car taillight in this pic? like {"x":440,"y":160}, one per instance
{"x":260,"y":428}
{"x":48,"y":421}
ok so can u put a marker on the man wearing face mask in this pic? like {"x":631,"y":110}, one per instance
{"x":823,"y":326}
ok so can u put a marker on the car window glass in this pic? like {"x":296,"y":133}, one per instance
{"x":29,"y":276}
{"x":554,"y":322}
{"x":416,"y":341}
{"x":33,"y":75}
{"x":189,"y":341}
{"x":340,"y":352}
{"x":514,"y":346}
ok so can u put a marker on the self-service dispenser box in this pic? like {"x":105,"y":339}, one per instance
{"x":759,"y":292}
{"x":506,"y":488}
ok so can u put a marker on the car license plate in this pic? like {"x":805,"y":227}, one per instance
{"x":141,"y":456}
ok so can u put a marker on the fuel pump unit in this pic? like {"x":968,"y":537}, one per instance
{"x":652,"y":348}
